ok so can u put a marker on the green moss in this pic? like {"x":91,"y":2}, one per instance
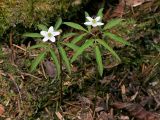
{"x":33,"y":12}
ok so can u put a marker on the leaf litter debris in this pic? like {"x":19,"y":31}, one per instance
{"x":130,"y":83}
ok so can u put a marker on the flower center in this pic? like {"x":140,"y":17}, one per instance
{"x":94,"y":21}
{"x":49,"y":34}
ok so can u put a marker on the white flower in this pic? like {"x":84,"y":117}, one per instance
{"x":94,"y":21}
{"x":49,"y":35}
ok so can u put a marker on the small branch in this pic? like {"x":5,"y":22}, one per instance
{"x":11,"y":46}
{"x":17,"y":87}
{"x":27,"y":74}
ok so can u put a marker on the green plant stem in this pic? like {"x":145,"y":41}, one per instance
{"x":96,"y":93}
{"x":61,"y":83}
{"x":60,"y":77}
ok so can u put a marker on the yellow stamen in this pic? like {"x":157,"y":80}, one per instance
{"x":49,"y":34}
{"x":94,"y":21}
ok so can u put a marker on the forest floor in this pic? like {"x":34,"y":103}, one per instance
{"x":127,"y":91}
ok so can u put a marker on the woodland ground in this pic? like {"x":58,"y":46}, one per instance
{"x":128,"y":90}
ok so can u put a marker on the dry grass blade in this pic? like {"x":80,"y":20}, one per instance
{"x":59,"y":115}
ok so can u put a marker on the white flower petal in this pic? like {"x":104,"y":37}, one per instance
{"x":51,"y":29}
{"x":94,"y":24}
{"x":55,"y":33}
{"x":45,"y":39}
{"x":100,"y":23}
{"x":88,"y":23}
{"x":44,"y":33}
{"x":89,"y":18}
{"x":98,"y":18}
{"x":52,"y":39}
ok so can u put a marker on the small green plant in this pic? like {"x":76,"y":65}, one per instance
{"x":95,"y":38}
{"x":54,"y":49}
{"x":98,"y":38}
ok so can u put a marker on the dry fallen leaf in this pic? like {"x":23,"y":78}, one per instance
{"x":124,"y":117}
{"x":1,"y":110}
{"x":137,"y":111}
{"x":106,"y":116}
{"x":135,"y":3}
{"x":8,"y":119}
{"x":119,"y":10}
{"x":50,"y":69}
{"x":1,"y":61}
{"x":85,"y":114}
{"x":123,"y":89}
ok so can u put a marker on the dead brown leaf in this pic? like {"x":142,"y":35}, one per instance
{"x":124,"y":117}
{"x":86,"y":102}
{"x":106,"y":80}
{"x":50,"y":68}
{"x":119,"y":10}
{"x":105,"y":116}
{"x":1,"y":110}
{"x":137,"y":111}
{"x":1,"y":61}
{"x":85,"y":114}
{"x":134,"y":3}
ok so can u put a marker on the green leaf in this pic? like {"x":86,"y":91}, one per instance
{"x":38,"y":46}
{"x":81,"y":49}
{"x":34,"y":35}
{"x":64,"y":57}
{"x":100,"y":13}
{"x":99,"y":60}
{"x":58,"y":23}
{"x":71,"y":45}
{"x":55,"y":59}
{"x":156,"y":46}
{"x":36,"y":61}
{"x":42,"y":27}
{"x":112,"y":23}
{"x":103,"y":43}
{"x":75,"y":26}
{"x":86,"y":15}
{"x":116,"y":38}
{"x":78,"y":38}
{"x":68,"y":35}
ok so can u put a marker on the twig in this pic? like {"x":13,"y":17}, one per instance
{"x":17,"y":87}
{"x":59,"y":115}
{"x":43,"y":71}
{"x":72,"y":105}
{"x":11,"y":46}
{"x":19,"y":47}
{"x":27,"y":74}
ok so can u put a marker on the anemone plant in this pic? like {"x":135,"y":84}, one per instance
{"x":95,"y":39}
{"x":52,"y":47}
{"x":98,"y":37}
